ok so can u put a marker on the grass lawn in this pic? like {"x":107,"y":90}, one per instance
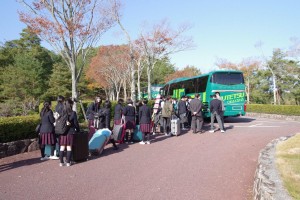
{"x":288,"y":164}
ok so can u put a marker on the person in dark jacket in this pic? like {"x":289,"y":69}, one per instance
{"x":105,"y":120}
{"x":129,"y":114}
{"x":145,"y":121}
{"x":59,"y":108}
{"x":215,"y":110}
{"x":92,"y":114}
{"x":182,"y":112}
{"x":196,"y":112}
{"x":46,"y":135}
{"x":66,"y":140}
{"x":118,"y":112}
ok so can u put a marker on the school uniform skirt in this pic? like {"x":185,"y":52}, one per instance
{"x":130,"y":125}
{"x":145,"y":128}
{"x":66,"y":140}
{"x":47,"y":139}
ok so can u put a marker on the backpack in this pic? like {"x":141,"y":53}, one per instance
{"x":62,"y":124}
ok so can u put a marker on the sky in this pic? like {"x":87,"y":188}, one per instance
{"x":221,"y":29}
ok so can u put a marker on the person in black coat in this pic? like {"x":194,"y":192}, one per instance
{"x":46,"y":135}
{"x":118,"y":112}
{"x":92,"y":114}
{"x":182,"y":112}
{"x":196,"y":112}
{"x":145,"y":121}
{"x":105,"y":120}
{"x":66,"y":140}
{"x":215,"y":110}
{"x":129,"y":114}
{"x":59,"y":109}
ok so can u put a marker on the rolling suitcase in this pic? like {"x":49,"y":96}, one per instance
{"x":99,"y":140}
{"x":118,"y":133}
{"x":80,"y":148}
{"x":175,"y":127}
{"x":137,"y":134}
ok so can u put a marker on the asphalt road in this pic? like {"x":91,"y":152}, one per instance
{"x":205,"y":166}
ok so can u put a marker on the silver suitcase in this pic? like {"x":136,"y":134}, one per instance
{"x":175,"y":127}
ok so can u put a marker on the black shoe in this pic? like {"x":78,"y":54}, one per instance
{"x":116,"y":148}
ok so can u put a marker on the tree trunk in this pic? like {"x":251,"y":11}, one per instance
{"x":149,"y":82}
{"x":125,"y":90}
{"x":139,"y":84}
{"x":74,"y":84}
{"x":248,"y":91}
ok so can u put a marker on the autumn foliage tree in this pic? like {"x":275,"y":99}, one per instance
{"x":162,"y":41}
{"x":188,"y":71}
{"x":110,"y":69}
{"x":70,"y":27}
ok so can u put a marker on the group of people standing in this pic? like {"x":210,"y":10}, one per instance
{"x":189,"y":111}
{"x":48,"y":135}
{"x":126,"y":115}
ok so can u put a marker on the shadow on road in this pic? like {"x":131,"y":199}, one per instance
{"x":20,"y":163}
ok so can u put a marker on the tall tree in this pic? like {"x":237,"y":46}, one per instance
{"x":70,"y":27}
{"x":130,"y":43}
{"x":188,"y":71}
{"x":24,"y":79}
{"x":163,"y":41}
{"x":109,"y":68}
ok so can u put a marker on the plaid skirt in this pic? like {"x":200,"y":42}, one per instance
{"x":66,"y":140}
{"x":145,"y":128}
{"x":47,"y":139}
{"x":130,"y":125}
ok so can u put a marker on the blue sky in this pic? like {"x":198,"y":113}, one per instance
{"x":227,"y":29}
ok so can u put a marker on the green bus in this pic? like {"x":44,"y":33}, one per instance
{"x":229,"y":83}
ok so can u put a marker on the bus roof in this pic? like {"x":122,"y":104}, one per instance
{"x":178,"y":80}
{"x":201,"y":75}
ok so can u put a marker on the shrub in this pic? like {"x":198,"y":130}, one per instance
{"x":18,"y":128}
{"x":291,"y":110}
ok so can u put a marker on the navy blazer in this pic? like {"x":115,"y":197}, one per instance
{"x":104,"y":118}
{"x":47,"y":121}
{"x":144,"y":115}
{"x":118,"y":112}
{"x":73,"y":119}
{"x":129,"y":113}
{"x":92,"y":109}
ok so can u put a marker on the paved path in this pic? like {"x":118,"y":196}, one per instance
{"x":205,"y":166}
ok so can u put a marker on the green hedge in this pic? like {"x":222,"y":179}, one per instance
{"x":18,"y":128}
{"x":291,"y":110}
{"x":23,"y":127}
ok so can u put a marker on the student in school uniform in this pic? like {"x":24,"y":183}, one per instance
{"x":129,"y":114}
{"x":46,"y":135}
{"x":105,"y":120}
{"x":145,"y":121}
{"x":66,"y":140}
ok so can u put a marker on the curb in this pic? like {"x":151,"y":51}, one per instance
{"x":267,"y":181}
{"x":273,"y":116}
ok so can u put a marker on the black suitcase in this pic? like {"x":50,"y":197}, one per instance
{"x":80,"y":149}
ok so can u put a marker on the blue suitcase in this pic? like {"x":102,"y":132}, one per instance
{"x":137,"y":134}
{"x":99,"y":140}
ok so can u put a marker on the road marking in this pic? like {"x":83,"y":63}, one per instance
{"x":255,"y":126}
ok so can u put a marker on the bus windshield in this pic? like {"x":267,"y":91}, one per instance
{"x":227,"y":78}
